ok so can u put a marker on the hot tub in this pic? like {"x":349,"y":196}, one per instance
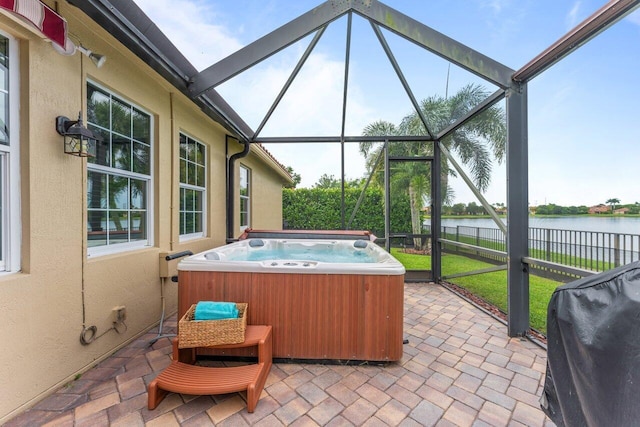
{"x":326,"y":298}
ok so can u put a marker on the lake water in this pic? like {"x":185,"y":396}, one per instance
{"x":607,"y":224}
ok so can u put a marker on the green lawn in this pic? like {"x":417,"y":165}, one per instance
{"x":492,"y":287}
{"x":412,"y":262}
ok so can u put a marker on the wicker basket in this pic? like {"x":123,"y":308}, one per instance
{"x":205,"y":333}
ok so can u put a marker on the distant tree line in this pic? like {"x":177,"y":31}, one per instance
{"x":553,"y":209}
{"x":471,"y":208}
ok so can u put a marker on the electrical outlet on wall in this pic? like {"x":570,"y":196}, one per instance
{"x":119,"y":314}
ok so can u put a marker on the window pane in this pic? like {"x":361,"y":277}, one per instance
{"x":183,"y":171}
{"x":201,"y":154}
{"x":141,"y":126}
{"x":4,"y":72}
{"x":138,"y":194}
{"x":189,"y":222}
{"x":98,"y":107}
{"x":182,"y":198}
{"x":200,"y":176}
{"x":244,"y":179}
{"x":141,"y":154}
{"x":97,"y":227}
{"x":118,"y":227}
{"x":197,"y":222}
{"x":198,"y":199}
{"x":121,"y":153}
{"x":102,"y":147}
{"x":4,"y":63}
{"x":244,"y":219}
{"x":96,"y":190}
{"x":183,"y":146}
{"x":182,"y":223}
{"x":4,"y":50}
{"x":118,"y":192}
{"x":191,"y":151}
{"x":188,"y":205}
{"x":121,"y":117}
{"x":4,"y":91}
{"x":191,"y":174}
{"x":138,"y":225}
{"x":4,"y":117}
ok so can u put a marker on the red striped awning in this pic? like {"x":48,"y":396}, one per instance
{"x":45,"y":19}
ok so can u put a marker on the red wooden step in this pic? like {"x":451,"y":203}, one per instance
{"x":185,"y":378}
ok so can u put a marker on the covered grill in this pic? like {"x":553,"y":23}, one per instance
{"x":593,"y":364}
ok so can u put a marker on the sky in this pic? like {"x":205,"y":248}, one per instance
{"x":583,"y":113}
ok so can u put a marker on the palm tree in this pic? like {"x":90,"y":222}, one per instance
{"x":476,"y":142}
{"x":612,"y":203}
{"x":411,"y":179}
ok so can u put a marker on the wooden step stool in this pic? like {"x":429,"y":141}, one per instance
{"x":185,"y":378}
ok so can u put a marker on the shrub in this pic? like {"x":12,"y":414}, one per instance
{"x":319,"y":209}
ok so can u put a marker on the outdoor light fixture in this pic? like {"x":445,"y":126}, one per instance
{"x":78,"y":140}
{"x":96,"y":58}
{"x":70,"y":48}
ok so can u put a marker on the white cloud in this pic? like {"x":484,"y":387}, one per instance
{"x":574,"y":17}
{"x":311,"y":107}
{"x":191,"y":27}
{"x":495,"y":5}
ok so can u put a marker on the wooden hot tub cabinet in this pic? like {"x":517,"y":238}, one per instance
{"x":314,"y":316}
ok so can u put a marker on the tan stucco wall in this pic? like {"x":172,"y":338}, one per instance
{"x":41,"y":308}
{"x":265,"y":194}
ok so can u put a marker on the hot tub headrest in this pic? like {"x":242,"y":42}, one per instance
{"x":360,"y":244}
{"x":212,"y":256}
{"x":256,"y":243}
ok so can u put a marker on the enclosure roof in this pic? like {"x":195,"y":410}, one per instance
{"x":131,"y":26}
{"x":377,"y":13}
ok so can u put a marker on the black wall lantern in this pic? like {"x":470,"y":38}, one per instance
{"x":78,"y":140}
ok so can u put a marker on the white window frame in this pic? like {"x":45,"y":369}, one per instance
{"x":93,"y":251}
{"x":247,"y":197}
{"x":10,"y":219}
{"x":202,"y":189}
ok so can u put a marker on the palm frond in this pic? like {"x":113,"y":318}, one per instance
{"x":481,"y":140}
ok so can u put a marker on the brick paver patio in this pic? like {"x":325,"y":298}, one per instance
{"x":459,"y":369}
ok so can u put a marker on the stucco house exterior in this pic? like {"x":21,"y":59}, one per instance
{"x":598,"y":209}
{"x":83,"y":235}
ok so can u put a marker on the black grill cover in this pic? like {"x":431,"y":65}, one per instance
{"x":593,"y":341}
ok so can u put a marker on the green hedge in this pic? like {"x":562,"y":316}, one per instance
{"x":319,"y":209}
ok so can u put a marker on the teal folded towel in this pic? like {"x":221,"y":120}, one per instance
{"x":212,"y":310}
